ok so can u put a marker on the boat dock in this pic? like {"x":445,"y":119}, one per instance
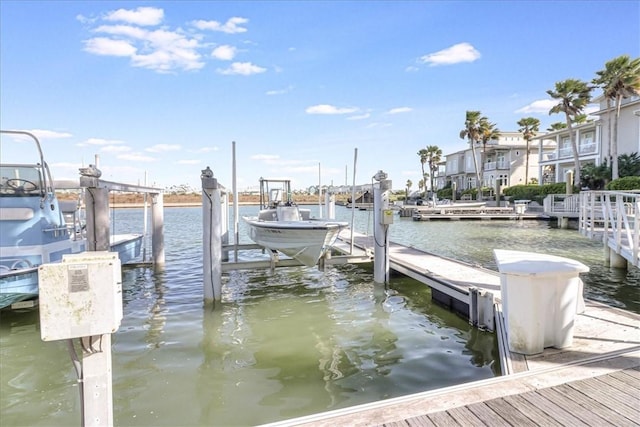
{"x":461,"y":213}
{"x":595,"y":381}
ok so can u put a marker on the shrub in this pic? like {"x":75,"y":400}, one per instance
{"x":626,"y":183}
{"x":536,"y":192}
{"x":445,"y":193}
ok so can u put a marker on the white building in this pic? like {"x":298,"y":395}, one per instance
{"x":501,"y":161}
{"x":593,"y":140}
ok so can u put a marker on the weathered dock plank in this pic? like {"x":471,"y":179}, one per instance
{"x":509,"y":413}
{"x":487,"y":415}
{"x":614,"y":400}
{"x":588,"y":415}
{"x":591,"y":405}
{"x":531,"y":411}
{"x":551,"y":408}
{"x":443,"y":419}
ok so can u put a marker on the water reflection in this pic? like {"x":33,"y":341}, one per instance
{"x":299,"y":341}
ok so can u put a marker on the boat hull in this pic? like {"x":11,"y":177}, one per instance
{"x":305,"y":241}
{"x":20,"y":284}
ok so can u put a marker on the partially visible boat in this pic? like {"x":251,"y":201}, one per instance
{"x":283,"y":226}
{"x":35,"y":228}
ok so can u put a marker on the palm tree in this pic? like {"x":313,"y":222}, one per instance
{"x":424,"y":157}
{"x":620,"y":79}
{"x":573,"y":96}
{"x":556,"y":126}
{"x":434,"y":155}
{"x":471,"y":131}
{"x":488,"y":132}
{"x":408,"y":184}
{"x":529,"y":126}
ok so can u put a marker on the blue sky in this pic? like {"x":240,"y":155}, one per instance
{"x":164,"y":87}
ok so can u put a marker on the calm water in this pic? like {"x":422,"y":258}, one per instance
{"x":282,"y":344}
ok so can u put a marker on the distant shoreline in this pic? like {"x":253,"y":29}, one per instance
{"x":167,"y":205}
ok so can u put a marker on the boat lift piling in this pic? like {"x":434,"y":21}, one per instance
{"x":382,"y":218}
{"x":96,"y":201}
{"x":211,"y":236}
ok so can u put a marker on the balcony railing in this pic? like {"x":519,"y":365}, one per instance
{"x":587,"y":148}
{"x":502,"y":164}
{"x":564,"y":152}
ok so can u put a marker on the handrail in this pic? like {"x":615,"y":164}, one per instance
{"x":615,"y":214}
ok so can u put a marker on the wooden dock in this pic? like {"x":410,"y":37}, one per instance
{"x":482,"y":213}
{"x":595,"y":381}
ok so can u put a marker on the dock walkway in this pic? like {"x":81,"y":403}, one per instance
{"x":453,"y":283}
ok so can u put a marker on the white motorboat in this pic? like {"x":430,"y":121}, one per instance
{"x":284,"y":227}
{"x":36,"y":228}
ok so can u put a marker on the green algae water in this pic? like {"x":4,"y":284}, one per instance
{"x":280,"y":345}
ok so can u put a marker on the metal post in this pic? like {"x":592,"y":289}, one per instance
{"x":97,"y":216}
{"x":97,"y":383}
{"x":236,"y":238}
{"x":380,"y":228}
{"x":211,"y":237}
{"x":157,"y":225}
{"x":224,"y":223}
{"x":353,"y":198}
{"x":330,"y":204}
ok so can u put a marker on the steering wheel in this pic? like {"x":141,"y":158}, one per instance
{"x":20,"y":184}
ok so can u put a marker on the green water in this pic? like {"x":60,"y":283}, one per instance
{"x":285,"y":344}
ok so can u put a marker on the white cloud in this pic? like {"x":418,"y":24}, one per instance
{"x":539,"y":106}
{"x":100,"y":141}
{"x":137,"y":157}
{"x":411,"y":68}
{"x":399,"y":110}
{"x":224,"y":52}
{"x":360,"y":117}
{"x":127,"y":33}
{"x":109,"y":47}
{"x":242,"y":68}
{"x":115,"y":149}
{"x":279,"y":91}
{"x":265,"y":157}
{"x":232,"y":26}
{"x":49,"y":134}
{"x":188,"y":162}
{"x":160,"y":148}
{"x":140,"y":16}
{"x":329,"y":109}
{"x":461,"y":52}
{"x":160,"y":50}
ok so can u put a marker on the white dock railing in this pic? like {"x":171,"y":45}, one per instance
{"x":613,"y":216}
{"x":561,"y":203}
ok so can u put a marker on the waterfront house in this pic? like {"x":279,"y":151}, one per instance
{"x":504,"y":162}
{"x":593,"y":140}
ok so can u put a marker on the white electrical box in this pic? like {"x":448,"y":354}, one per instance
{"x":387,"y":217}
{"x":80,"y":296}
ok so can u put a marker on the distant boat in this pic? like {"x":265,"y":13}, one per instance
{"x":282,"y":226}
{"x":35,"y":228}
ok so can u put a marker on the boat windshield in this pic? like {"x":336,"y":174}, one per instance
{"x":20,"y":180}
